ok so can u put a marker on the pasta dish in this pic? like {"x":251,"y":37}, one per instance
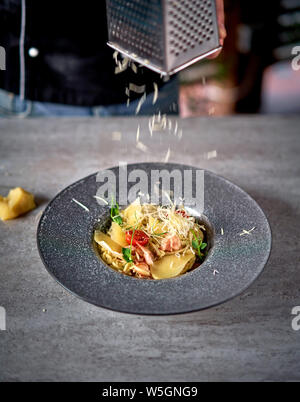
{"x":152,"y":242}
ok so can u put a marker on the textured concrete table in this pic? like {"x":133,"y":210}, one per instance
{"x":52,"y":335}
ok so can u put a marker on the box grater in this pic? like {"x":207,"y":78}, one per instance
{"x":164,"y":35}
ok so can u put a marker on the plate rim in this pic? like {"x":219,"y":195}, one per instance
{"x":260,"y":266}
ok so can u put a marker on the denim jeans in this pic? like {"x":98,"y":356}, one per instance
{"x":167,"y":103}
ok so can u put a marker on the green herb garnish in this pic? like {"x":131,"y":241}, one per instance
{"x":127,"y":254}
{"x":115,"y":213}
{"x":127,"y":250}
{"x":198,"y":245}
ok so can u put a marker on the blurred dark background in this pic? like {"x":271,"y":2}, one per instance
{"x":254,"y":73}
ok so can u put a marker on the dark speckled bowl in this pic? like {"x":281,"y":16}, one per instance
{"x":65,"y":234}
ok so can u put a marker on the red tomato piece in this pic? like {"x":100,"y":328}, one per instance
{"x":182,"y":212}
{"x":139,"y":238}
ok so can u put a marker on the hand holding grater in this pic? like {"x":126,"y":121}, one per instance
{"x":163,"y":35}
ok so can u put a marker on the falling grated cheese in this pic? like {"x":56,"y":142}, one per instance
{"x":115,"y":56}
{"x":176,"y":128}
{"x":155,"y":96}
{"x":216,"y":272}
{"x":101,"y":199}
{"x":158,"y":123}
{"x":118,"y":70}
{"x":167,"y":157}
{"x":122,"y":66}
{"x":211,"y":154}
{"x":156,"y":189}
{"x":222,"y":231}
{"x":138,"y":134}
{"x":142,"y":147}
{"x":142,"y":100}
{"x":247,"y":232}
{"x":136,"y":88}
{"x":150,"y":125}
{"x":81,"y":205}
{"x":134,"y":68}
{"x":116,"y":136}
{"x":167,"y":196}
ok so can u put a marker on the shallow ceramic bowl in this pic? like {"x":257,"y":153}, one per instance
{"x":235,"y":259}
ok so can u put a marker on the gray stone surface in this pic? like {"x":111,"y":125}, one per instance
{"x":52,"y":335}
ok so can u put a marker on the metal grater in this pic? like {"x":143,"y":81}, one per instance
{"x":163,"y":35}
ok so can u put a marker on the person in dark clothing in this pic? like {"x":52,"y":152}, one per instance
{"x":58,"y":63}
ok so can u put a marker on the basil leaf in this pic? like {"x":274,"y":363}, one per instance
{"x":118,"y":219}
{"x":203,"y":246}
{"x":195,"y":244}
{"x":115,"y":213}
{"x":127,"y":254}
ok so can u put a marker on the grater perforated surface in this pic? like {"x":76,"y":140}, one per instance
{"x":137,"y":25}
{"x":165,"y":35}
{"x":191,"y":29}
{"x":191,"y":24}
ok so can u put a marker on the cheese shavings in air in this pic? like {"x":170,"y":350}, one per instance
{"x":167,"y":157}
{"x":212,"y":154}
{"x":136,"y":88}
{"x":247,"y":232}
{"x":134,"y":68}
{"x":140,"y":104}
{"x":155,"y":96}
{"x":142,"y":147}
{"x":81,"y":205}
{"x":101,"y":199}
{"x":122,"y":66}
{"x":138,"y":134}
{"x":116,"y":136}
